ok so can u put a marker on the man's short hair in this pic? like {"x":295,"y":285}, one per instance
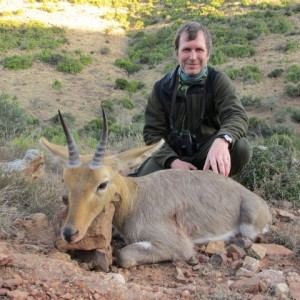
{"x":192,"y":29}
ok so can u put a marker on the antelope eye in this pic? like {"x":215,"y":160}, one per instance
{"x":103,"y":185}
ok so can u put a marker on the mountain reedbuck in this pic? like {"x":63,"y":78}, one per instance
{"x":161,"y":215}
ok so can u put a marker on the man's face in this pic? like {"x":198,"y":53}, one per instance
{"x":192,"y":55}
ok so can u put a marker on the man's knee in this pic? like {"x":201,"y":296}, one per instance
{"x":240,"y":155}
{"x":150,"y":166}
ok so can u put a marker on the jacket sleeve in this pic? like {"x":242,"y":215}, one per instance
{"x":157,"y":127}
{"x":230,"y":111}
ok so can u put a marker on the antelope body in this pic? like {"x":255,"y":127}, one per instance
{"x":160,"y":215}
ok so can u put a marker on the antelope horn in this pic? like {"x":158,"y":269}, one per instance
{"x":97,"y":161}
{"x":74,"y":160}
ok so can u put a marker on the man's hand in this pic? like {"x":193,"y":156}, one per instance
{"x":218,"y":158}
{"x":182,"y":165}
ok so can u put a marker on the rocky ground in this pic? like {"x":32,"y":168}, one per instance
{"x":31,"y":268}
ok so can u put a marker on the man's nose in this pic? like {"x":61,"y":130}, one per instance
{"x":193,"y":54}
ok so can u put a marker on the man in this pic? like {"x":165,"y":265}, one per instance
{"x":196,"y":110}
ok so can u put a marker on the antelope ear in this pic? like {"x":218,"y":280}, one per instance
{"x":135,"y":157}
{"x":56,"y":150}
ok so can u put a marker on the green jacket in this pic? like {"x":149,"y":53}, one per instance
{"x":206,"y":109}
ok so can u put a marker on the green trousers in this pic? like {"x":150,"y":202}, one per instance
{"x":240,"y":155}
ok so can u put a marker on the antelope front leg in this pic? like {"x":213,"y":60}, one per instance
{"x":146,"y":253}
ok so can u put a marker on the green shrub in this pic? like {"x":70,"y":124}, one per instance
{"x":261,"y":128}
{"x":292,"y":90}
{"x":86,"y":59}
{"x":107,"y":104}
{"x":250,"y":101}
{"x":18,"y":62}
{"x":13,"y":118}
{"x":248,"y":74}
{"x":127,"y":103}
{"x":237,"y":50}
{"x":293,"y":73}
{"x":92,"y":129}
{"x":57,"y":84}
{"x":50,"y":58}
{"x":128,"y":65}
{"x":273,"y":173}
{"x":29,"y":36}
{"x":275,"y":73}
{"x":218,"y":57}
{"x":281,"y":115}
{"x":121,"y":83}
{"x":68,"y":118}
{"x":280,"y":25}
{"x":291,"y":46}
{"x":295,"y":114}
{"x":70,"y":65}
{"x":130,"y":86}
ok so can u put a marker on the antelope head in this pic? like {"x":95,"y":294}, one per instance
{"x":91,"y":179}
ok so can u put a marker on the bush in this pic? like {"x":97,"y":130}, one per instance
{"x":127,"y":103}
{"x":261,"y":128}
{"x":275,"y":73}
{"x":70,"y":65}
{"x":247,"y":74}
{"x":293,"y":73}
{"x":121,"y":83}
{"x":272,"y":173}
{"x":128,"y":65}
{"x":292,"y":90}
{"x":237,"y":51}
{"x":250,"y":101}
{"x":107,"y":104}
{"x":68,"y":118}
{"x":57,"y":85}
{"x":295,"y":114}
{"x":18,"y":62}
{"x":13,"y":118}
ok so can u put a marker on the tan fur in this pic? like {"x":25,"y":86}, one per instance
{"x":162,"y":214}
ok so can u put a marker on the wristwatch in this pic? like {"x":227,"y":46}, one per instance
{"x":227,"y":138}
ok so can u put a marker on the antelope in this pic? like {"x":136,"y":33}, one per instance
{"x":161,"y":215}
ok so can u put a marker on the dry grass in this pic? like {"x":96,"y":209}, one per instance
{"x":20,"y":197}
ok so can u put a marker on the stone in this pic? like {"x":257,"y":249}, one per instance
{"x":251,"y":264}
{"x":274,"y":249}
{"x":247,"y":285}
{"x":281,"y":290}
{"x":35,"y":228}
{"x":284,"y":215}
{"x":32,"y":165}
{"x":94,"y":248}
{"x":242,"y":272}
{"x":293,"y":280}
{"x":6,"y":256}
{"x":234,"y":249}
{"x":257,"y":251}
{"x":17,"y":295}
{"x":271,"y":277}
{"x":214,"y":247}
{"x":218,"y":260}
{"x":98,"y":235}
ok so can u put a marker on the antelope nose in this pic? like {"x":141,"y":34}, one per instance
{"x":69,"y":234}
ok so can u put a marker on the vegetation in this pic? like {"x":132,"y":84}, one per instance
{"x":18,"y":62}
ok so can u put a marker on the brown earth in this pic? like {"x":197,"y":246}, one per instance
{"x":31,"y":268}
